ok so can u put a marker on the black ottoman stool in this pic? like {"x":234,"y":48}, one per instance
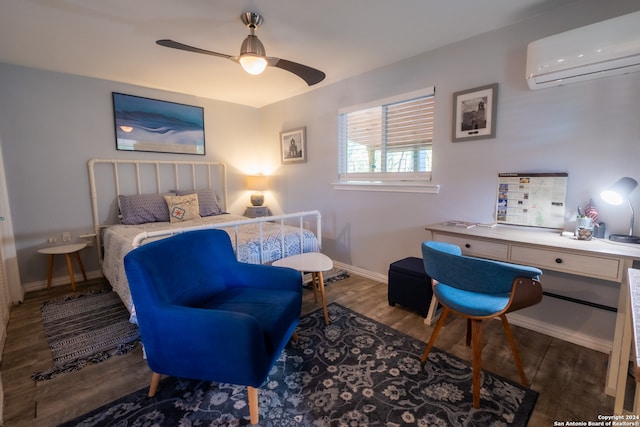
{"x":409,"y":285}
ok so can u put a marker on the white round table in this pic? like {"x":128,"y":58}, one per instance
{"x":314,"y":263}
{"x":66,"y":250}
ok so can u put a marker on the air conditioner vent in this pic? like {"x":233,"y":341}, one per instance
{"x":598,"y":50}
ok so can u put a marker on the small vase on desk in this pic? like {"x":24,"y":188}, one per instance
{"x":584,"y":228}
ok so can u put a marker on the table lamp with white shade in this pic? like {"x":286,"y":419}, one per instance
{"x":258,"y":184}
{"x":617,"y":194}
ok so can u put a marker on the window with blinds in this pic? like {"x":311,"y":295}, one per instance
{"x":387,"y":140}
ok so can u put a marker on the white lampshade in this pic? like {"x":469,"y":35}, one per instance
{"x":618,"y":193}
{"x":253,"y":64}
{"x":257,"y":182}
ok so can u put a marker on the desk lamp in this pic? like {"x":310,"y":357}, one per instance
{"x":616,"y":195}
{"x":257,"y":183}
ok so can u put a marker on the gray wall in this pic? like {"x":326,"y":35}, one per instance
{"x":52,"y":124}
{"x":590,"y":130}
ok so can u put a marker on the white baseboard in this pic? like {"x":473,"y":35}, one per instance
{"x":361,"y":272}
{"x":555,"y":331}
{"x":575,"y":337}
{"x":61,"y":281}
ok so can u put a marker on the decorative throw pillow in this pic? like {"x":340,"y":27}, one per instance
{"x":183,"y":208}
{"x":143,"y":208}
{"x":207,"y":199}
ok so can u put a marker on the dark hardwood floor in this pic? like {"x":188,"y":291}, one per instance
{"x":569,"y":378}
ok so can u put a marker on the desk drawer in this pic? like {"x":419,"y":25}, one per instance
{"x":583,"y":265}
{"x":476,"y":247}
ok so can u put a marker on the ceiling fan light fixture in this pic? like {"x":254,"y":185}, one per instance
{"x":253,"y":64}
{"x":253,"y":55}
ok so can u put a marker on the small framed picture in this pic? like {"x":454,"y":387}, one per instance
{"x":293,"y":146}
{"x":474,"y":113}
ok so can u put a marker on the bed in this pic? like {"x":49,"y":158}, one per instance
{"x":127,"y":197}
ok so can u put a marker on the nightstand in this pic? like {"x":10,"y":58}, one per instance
{"x":257,"y":211}
{"x":67,"y":251}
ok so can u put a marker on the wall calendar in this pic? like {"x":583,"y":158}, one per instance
{"x":532,"y":199}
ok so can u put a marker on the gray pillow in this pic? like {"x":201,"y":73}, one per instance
{"x":143,"y":208}
{"x":207,"y":199}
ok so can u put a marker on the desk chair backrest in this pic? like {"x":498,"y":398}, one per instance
{"x":445,"y":263}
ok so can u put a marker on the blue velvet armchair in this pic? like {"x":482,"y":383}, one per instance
{"x":478,"y":289}
{"x":204,"y":315}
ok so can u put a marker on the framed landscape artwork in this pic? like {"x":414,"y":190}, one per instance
{"x":293,"y":146}
{"x":474,"y":113}
{"x":144,"y":124}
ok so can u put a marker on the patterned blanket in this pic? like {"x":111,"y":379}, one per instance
{"x":277,"y":242}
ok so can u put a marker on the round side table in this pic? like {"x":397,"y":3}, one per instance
{"x":66,"y":250}
{"x":314,"y":263}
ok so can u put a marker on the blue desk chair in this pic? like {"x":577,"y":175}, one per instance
{"x":478,"y":289}
{"x":204,"y":315}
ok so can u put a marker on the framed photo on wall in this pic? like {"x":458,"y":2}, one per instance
{"x":293,"y":146}
{"x":474,"y":113}
{"x":144,"y":124}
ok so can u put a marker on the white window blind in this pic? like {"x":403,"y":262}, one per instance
{"x":387,"y":140}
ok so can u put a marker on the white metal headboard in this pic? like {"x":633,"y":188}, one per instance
{"x":167,"y":175}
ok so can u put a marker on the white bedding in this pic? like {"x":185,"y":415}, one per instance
{"x":117,"y":240}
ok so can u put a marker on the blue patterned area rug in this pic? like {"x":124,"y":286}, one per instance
{"x":354,"y":372}
{"x":86,"y":329}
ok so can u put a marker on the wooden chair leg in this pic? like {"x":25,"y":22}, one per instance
{"x":468,"y":332}
{"x":254,"y":415}
{"x":476,"y":360}
{"x":294,"y":337}
{"x":323,"y":296}
{"x":50,"y":271}
{"x":71,"y":273}
{"x":84,"y":274}
{"x":434,"y":334}
{"x":153,"y":387}
{"x":514,"y":350}
{"x":314,"y":285}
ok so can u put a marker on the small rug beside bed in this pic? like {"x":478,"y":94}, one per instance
{"x":86,"y":329}
{"x":91,"y":328}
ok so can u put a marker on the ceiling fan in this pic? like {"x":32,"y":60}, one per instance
{"x":253,"y":56}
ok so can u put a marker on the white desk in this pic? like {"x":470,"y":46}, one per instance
{"x":631,"y":334}
{"x":548,"y":249}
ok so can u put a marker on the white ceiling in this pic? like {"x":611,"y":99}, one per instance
{"x":115,"y":39}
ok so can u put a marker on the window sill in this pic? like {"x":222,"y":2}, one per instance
{"x":395,"y":187}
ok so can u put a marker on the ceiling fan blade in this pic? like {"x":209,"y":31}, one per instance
{"x":308,"y":74}
{"x":181,"y":46}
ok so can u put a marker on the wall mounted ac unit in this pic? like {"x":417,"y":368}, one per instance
{"x":598,"y":50}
